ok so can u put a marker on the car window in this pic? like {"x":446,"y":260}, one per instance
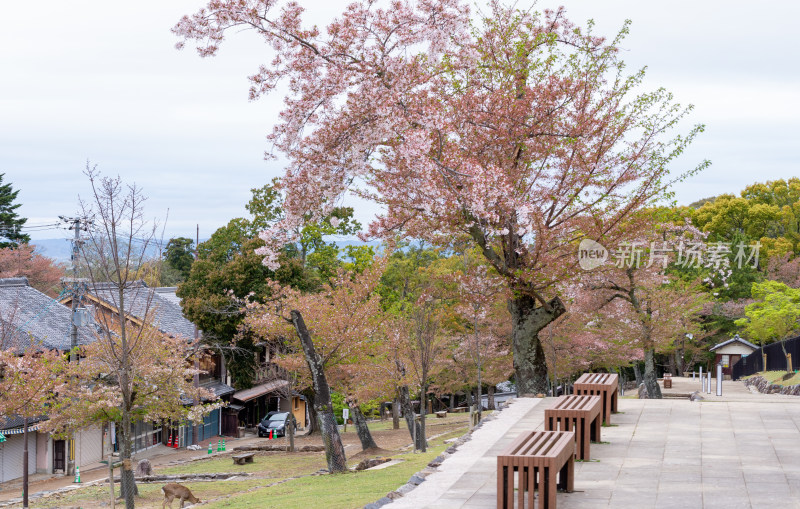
{"x":278,"y":417}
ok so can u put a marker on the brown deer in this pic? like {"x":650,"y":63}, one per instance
{"x":174,"y":490}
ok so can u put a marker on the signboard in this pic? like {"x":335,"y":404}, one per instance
{"x":345,"y":414}
{"x":2,"y":438}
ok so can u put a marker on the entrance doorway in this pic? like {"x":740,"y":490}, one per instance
{"x":59,"y":456}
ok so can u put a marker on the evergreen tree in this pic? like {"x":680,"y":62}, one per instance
{"x":178,"y":255}
{"x":10,"y":223}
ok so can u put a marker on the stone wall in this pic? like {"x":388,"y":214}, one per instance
{"x":761,"y":384}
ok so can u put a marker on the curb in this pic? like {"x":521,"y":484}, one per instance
{"x":418,"y":478}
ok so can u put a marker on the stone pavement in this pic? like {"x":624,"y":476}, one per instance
{"x":738,"y":451}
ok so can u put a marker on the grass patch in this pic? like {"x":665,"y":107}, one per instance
{"x":776,"y":377}
{"x":150,"y":495}
{"x":271,"y":464}
{"x":452,"y":419}
{"x":340,"y":491}
{"x":325,"y":491}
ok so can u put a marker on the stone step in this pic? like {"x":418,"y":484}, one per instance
{"x":675,"y":395}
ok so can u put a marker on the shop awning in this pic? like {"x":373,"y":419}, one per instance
{"x":260,"y":390}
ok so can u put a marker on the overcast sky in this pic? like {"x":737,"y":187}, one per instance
{"x":101,"y":80}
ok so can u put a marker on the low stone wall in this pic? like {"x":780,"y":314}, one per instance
{"x":279,"y":448}
{"x":219,"y":476}
{"x":761,"y":384}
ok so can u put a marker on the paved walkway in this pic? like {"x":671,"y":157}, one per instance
{"x":738,"y":451}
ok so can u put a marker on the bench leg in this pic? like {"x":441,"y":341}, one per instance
{"x":597,"y":427}
{"x":614,"y":401}
{"x":510,"y":488}
{"x":566,"y":477}
{"x":522,"y":486}
{"x":531,"y":485}
{"x":585,"y":431}
{"x":607,"y":407}
{"x":548,"y":486}
{"x":502,"y":480}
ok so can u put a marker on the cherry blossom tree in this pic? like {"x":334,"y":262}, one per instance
{"x":29,"y":380}
{"x":43,"y":273}
{"x":479,"y":290}
{"x":331,"y":332}
{"x":646,"y":309}
{"x":516,"y":131}
{"x":131,"y":371}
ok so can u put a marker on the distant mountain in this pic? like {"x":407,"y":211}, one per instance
{"x":59,"y":249}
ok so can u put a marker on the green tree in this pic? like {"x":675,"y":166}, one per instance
{"x":227,"y":273}
{"x":179,"y":255}
{"x":10,"y":222}
{"x":775,"y":316}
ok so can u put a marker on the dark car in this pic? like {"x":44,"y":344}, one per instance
{"x":275,"y":422}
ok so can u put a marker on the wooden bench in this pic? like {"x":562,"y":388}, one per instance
{"x":604,"y":385}
{"x":668,"y":380}
{"x":241,"y":459}
{"x":537,"y":456}
{"x":580,"y":414}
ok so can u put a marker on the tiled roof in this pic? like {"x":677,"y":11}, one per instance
{"x":218,"y":388}
{"x":260,"y":390}
{"x":140,"y":300}
{"x":169,"y":293}
{"x":30,"y":318}
{"x":15,"y":421}
{"x":734,"y":339}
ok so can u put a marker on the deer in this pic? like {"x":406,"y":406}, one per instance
{"x":174,"y":490}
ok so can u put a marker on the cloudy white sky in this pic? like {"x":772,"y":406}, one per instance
{"x":101,"y":80}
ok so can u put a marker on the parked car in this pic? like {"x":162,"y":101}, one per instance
{"x":276,"y":422}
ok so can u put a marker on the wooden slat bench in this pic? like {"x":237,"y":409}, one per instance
{"x":537,"y":456}
{"x":604,"y":385}
{"x":241,"y":459}
{"x":580,"y":414}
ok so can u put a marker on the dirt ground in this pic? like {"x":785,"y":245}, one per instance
{"x":389,"y":441}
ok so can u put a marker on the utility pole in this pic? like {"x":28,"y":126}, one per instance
{"x":76,"y":287}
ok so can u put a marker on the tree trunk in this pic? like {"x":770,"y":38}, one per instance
{"x":679,"y":365}
{"x":396,"y":413}
{"x":650,"y":378}
{"x":528,"y":317}
{"x":25,"y":485}
{"x":292,"y":425}
{"x":421,"y":440}
{"x":128,"y":486}
{"x":452,"y":401}
{"x":334,"y":450}
{"x":409,"y":414}
{"x":479,"y":402}
{"x":362,"y":429}
{"x":637,"y":373}
{"x":671,"y":365}
{"x":312,"y":426}
{"x":490,"y":398}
